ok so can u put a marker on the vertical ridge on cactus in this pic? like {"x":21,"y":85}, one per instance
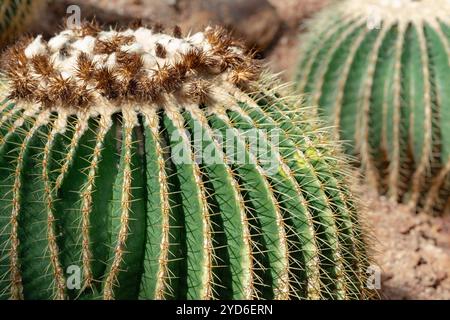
{"x":379,"y":72}
{"x":15,"y":16}
{"x":138,"y":169}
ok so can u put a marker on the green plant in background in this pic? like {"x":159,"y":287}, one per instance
{"x":101,"y":134}
{"x":15,"y":16}
{"x":380,"y":72}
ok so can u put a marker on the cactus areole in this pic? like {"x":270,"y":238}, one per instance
{"x":380,"y":71}
{"x":118,"y":181}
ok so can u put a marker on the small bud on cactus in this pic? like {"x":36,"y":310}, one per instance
{"x":380,"y":71}
{"x":15,"y":17}
{"x":115,"y":155}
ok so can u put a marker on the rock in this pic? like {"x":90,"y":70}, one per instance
{"x":293,"y":12}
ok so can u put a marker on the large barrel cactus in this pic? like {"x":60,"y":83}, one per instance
{"x":380,"y":72}
{"x":15,"y":16}
{"x":128,"y":159}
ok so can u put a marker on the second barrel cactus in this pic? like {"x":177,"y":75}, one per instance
{"x":129,"y":171}
{"x":380,"y":72}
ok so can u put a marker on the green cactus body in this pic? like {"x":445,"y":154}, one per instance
{"x":116,"y":162}
{"x":15,"y":16}
{"x":380,"y":72}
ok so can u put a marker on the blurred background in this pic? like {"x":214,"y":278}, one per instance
{"x":412,"y":250}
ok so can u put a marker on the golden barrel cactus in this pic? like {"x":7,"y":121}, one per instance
{"x":128,"y":156}
{"x":380,"y":73}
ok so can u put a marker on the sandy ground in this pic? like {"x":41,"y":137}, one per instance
{"x":413,"y":251}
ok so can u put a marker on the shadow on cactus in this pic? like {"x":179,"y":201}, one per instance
{"x":380,"y":72}
{"x":127,"y":159}
{"x":16,"y":16}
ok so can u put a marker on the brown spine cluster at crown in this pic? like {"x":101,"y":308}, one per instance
{"x":127,"y":80}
